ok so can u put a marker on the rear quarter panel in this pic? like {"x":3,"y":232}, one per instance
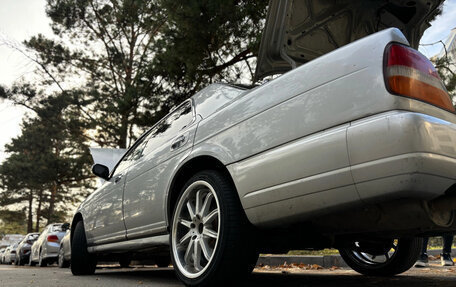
{"x":336,"y":88}
{"x":309,"y":108}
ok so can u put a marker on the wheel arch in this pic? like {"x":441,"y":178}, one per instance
{"x":185,"y":172}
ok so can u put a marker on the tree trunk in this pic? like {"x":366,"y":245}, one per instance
{"x":52,"y":202}
{"x":123,"y":131}
{"x":30,"y":214}
{"x":38,"y":211}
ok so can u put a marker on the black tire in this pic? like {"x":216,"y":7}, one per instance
{"x":234,"y":257}
{"x":31,"y":263}
{"x":61,"y":260}
{"x":18,"y":260}
{"x":21,"y":261}
{"x":42,"y":262}
{"x":82,"y":262}
{"x":406,"y":253}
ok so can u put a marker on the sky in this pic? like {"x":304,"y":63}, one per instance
{"x":439,"y":30}
{"x":21,"y":19}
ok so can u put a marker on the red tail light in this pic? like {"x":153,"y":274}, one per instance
{"x":52,"y":238}
{"x":409,"y":73}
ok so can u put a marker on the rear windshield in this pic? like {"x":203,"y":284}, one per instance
{"x":33,"y":237}
{"x":57,"y":228}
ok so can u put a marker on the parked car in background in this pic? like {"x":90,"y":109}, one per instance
{"x":2,"y":254}
{"x":10,"y":254}
{"x":65,"y":250}
{"x":10,"y":239}
{"x":45,"y":250}
{"x":24,"y":248}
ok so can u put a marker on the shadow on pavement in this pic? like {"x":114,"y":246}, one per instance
{"x":327,"y":280}
{"x":166,"y":275}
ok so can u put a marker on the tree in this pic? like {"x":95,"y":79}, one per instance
{"x":49,"y":162}
{"x":207,"y":41}
{"x":112,"y":69}
{"x":135,"y":59}
{"x":12,"y":222}
{"x":445,"y":67}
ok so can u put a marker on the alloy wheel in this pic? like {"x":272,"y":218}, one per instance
{"x":196,"y":229}
{"x":371,"y":258}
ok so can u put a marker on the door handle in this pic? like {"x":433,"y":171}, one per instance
{"x":178,"y":142}
{"x":118,"y":178}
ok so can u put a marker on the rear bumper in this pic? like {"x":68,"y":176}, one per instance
{"x":52,"y":250}
{"x":402,"y":155}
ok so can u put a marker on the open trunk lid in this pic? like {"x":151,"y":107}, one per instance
{"x":299,"y":31}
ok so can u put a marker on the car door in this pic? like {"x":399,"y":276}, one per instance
{"x":104,"y":220}
{"x":35,"y":253}
{"x":167,"y":144}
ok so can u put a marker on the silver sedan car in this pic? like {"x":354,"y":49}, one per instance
{"x":45,"y":250}
{"x":348,"y":151}
{"x":24,"y":248}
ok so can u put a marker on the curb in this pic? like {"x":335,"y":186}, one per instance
{"x":325,"y":261}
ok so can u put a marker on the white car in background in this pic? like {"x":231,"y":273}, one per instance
{"x":23,"y":250}
{"x":2,"y":251}
{"x":45,"y":250}
{"x":9,"y":256}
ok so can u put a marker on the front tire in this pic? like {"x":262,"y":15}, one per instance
{"x":31,"y":262}
{"x":385,"y":258}
{"x":82,"y":262}
{"x":210,"y":235}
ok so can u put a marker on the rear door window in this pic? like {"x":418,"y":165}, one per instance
{"x":170,"y":126}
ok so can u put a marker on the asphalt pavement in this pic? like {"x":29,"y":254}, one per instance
{"x":293,"y":276}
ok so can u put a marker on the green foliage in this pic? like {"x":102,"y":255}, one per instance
{"x":136,"y":59}
{"x":12,"y":222}
{"x":207,"y":41}
{"x":446,"y":69}
{"x":49,"y":162}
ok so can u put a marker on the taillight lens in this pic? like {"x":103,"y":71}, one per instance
{"x":409,"y":73}
{"x":52,"y":238}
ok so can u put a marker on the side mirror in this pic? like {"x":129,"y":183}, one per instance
{"x":65,"y":226}
{"x":100,"y":171}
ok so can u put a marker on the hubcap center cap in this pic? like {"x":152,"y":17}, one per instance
{"x":197,"y":225}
